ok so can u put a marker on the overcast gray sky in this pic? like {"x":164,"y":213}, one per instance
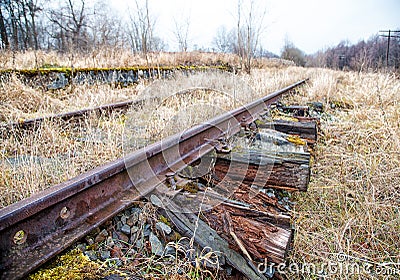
{"x":310,"y":24}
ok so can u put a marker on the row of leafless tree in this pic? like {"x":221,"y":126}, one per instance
{"x":18,"y":24}
{"x":365,"y":55}
{"x":84,"y":25}
{"x":79,"y":25}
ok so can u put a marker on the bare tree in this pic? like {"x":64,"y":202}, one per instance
{"x":33,"y":8}
{"x":182,"y":33}
{"x":11,"y":9}
{"x":106,"y":29}
{"x":363,"y":56}
{"x":239,"y":45}
{"x":3,"y":32}
{"x":71,"y":19}
{"x":250,"y":26}
{"x":290,"y":52}
{"x":224,"y":40}
{"x":141,"y":29}
{"x":18,"y":24}
{"x":158,"y":44}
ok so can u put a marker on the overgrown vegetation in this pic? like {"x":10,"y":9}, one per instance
{"x":72,"y":265}
{"x":34,"y":160}
{"x":350,"y":214}
{"x":351,"y":208}
{"x":79,"y":28}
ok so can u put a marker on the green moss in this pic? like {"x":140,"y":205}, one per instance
{"x":259,"y":122}
{"x":341,"y":104}
{"x":189,"y":187}
{"x":72,"y":265}
{"x":163,"y":219}
{"x":295,"y":139}
{"x":47,"y":69}
{"x":48,"y":65}
{"x":177,"y":236}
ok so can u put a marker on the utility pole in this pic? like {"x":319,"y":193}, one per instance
{"x":389,"y":35}
{"x":342,"y":61}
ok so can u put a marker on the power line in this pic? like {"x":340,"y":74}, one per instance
{"x":389,"y":35}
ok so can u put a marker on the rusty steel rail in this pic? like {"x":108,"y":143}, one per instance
{"x":37,"y":228}
{"x":107,"y":109}
{"x":103,"y":109}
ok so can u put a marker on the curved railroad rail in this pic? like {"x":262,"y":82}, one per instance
{"x":35,"y":229}
{"x":73,"y":115}
{"x":106,"y":109}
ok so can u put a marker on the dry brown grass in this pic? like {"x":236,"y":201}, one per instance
{"x":33,"y":161}
{"x":352,"y":206}
{"x":19,"y":100}
{"x":114,"y":57}
{"x":23,"y":101}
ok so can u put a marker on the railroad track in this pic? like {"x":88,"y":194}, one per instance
{"x":104,"y":110}
{"x":36,"y":229}
{"x":31,"y":124}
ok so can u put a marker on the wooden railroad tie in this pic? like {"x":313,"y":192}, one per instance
{"x":245,"y":215}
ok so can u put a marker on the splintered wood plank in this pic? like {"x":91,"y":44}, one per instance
{"x":189,"y":225}
{"x":262,"y":240}
{"x":259,"y":200}
{"x":263,"y":228}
